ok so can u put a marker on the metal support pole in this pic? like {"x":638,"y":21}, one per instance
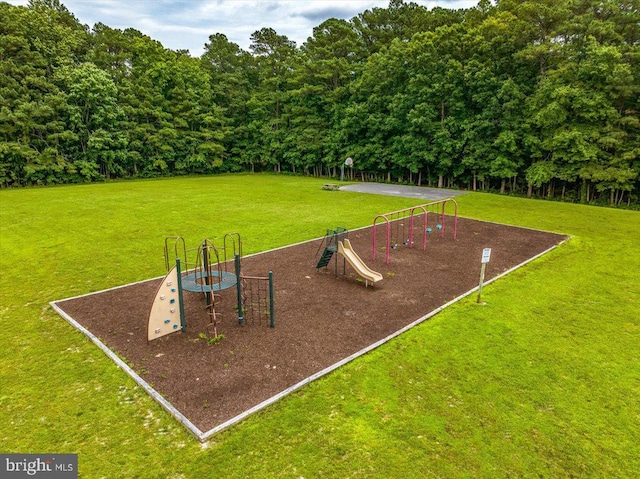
{"x":207,"y":281}
{"x":272,"y":319}
{"x":239,"y":288}
{"x":411,"y":230}
{"x":183,"y":322}
{"x":335,"y":242}
{"x":481,"y":282}
{"x":425,"y":222}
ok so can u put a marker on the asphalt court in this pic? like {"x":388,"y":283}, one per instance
{"x":420,"y":192}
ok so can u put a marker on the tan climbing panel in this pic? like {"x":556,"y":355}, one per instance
{"x":164,"y":317}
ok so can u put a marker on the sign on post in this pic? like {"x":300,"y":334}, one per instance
{"x":486,"y":256}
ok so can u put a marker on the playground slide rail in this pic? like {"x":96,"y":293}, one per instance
{"x":346,"y":250}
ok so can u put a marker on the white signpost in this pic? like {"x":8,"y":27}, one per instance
{"x":486,"y":256}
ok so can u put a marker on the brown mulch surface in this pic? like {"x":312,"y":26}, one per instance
{"x":319,"y":319}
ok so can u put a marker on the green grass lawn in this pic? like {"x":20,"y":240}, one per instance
{"x":542,"y":381}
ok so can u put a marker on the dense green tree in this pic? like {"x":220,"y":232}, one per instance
{"x":34,"y":43}
{"x":275,"y":56}
{"x":581,"y":131}
{"x":378,"y":27}
{"x":55,"y":33}
{"x":495,"y":85}
{"x":536,"y":97}
{"x":326,"y":65}
{"x":95,"y":146}
{"x":232,"y":76}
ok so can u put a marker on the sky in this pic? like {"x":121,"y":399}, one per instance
{"x":187,"y":24}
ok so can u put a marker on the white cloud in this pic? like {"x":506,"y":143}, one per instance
{"x":187,"y":24}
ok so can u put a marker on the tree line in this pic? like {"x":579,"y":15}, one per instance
{"x":538,"y":98}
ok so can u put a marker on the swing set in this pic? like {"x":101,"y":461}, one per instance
{"x":400,"y":225}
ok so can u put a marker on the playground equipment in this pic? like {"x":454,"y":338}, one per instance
{"x":400,"y":225}
{"x":207,"y":274}
{"x":167,"y":310}
{"x":337,"y":241}
{"x":330,"y":243}
{"x":346,"y":250}
{"x":257,"y":299}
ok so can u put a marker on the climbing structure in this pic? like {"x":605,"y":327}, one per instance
{"x":196,"y":271}
{"x":257,"y":299}
{"x":203,"y":270}
{"x":166,"y":313}
{"x":330,"y":244}
{"x":336,"y":241}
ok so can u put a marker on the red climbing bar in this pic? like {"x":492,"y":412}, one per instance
{"x":387,"y":240}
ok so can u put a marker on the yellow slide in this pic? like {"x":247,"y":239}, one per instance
{"x":345,"y":249}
